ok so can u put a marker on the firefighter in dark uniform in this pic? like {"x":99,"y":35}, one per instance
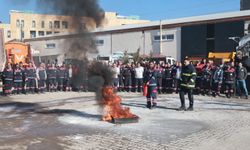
{"x":199,"y":70}
{"x":151,"y":82}
{"x":52,"y":74}
{"x":187,"y":84}
{"x":160,"y":73}
{"x":127,"y":75}
{"x":206,"y":79}
{"x":229,"y":79}
{"x":18,"y":79}
{"x":31,"y":78}
{"x":133,"y":79}
{"x":169,"y":78}
{"x":23,"y":77}
{"x":61,"y":75}
{"x":8,"y":80}
{"x":217,"y":79}
{"x":41,"y":77}
{"x":120,"y":76}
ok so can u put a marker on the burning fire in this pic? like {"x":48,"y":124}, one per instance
{"x":112,"y":106}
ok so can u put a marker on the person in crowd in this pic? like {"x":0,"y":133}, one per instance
{"x":199,"y":70}
{"x":18,"y":79}
{"x":41,"y":75}
{"x":68,"y":79}
{"x":116,"y":71}
{"x":139,"y":71}
{"x":187,"y":84}
{"x":229,"y":79}
{"x":8,"y":80}
{"x":176,"y":74}
{"x":61,"y":74}
{"x":127,"y":75}
{"x":52,"y":74}
{"x":133,"y":79}
{"x":241,"y":76}
{"x":160,"y":73}
{"x":206,"y":79}
{"x":217,"y":79}
{"x":169,"y":78}
{"x":151,"y":82}
{"x":31,"y":78}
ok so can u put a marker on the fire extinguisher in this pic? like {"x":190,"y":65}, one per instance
{"x":145,"y":89}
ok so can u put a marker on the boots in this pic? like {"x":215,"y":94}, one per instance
{"x":149,"y":105}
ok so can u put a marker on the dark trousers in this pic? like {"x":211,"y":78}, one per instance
{"x":121,"y":83}
{"x":128,"y":83}
{"x":31,"y":84}
{"x":60,"y":84}
{"x":42,"y":85}
{"x":116,"y":83}
{"x":169,"y":85}
{"x":7,"y":86}
{"x":18,"y":87}
{"x":229,"y":89}
{"x":216,"y":87}
{"x":139,"y":83}
{"x":182,"y":93}
{"x":52,"y":84}
{"x":159,"y":85}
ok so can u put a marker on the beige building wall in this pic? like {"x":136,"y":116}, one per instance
{"x":25,"y":25}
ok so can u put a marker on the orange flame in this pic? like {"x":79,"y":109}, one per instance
{"x":112,"y":106}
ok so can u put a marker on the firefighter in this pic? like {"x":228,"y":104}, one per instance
{"x":23,"y":69}
{"x":199,"y":70}
{"x":160,"y":73}
{"x":41,"y":77}
{"x":229,"y":79}
{"x":127,"y":75}
{"x":31,"y":78}
{"x":217,"y":79}
{"x":133,"y":79}
{"x":61,"y":74}
{"x":187,"y":84}
{"x":18,"y":79}
{"x":151,"y":83}
{"x":206,"y":79}
{"x":121,"y":77}
{"x":168,"y":78}
{"x":52,"y":74}
{"x":8,"y":79}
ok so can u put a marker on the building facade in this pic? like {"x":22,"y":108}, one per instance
{"x":244,"y":5}
{"x":25,"y":25}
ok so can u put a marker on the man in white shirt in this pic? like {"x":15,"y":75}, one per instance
{"x":139,"y":70}
{"x":115,"y":76}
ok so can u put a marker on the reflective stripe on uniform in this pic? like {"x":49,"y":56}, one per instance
{"x":188,"y":85}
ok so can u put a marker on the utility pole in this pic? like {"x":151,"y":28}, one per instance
{"x":160,"y":37}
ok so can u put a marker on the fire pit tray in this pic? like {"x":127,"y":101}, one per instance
{"x":125,"y":120}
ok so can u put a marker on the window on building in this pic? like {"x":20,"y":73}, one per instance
{"x":50,"y":46}
{"x":22,"y":34}
{"x":33,"y":24}
{"x":57,"y":24}
{"x":48,"y":33}
{"x":56,"y":32}
{"x":167,"y":37}
{"x":99,"y":42}
{"x":43,"y":24}
{"x":17,"y":23}
{"x":65,"y":25}
{"x":32,"y":34}
{"x":50,"y":24}
{"x":8,"y":34}
{"x":41,"y":33}
{"x":22,"y":23}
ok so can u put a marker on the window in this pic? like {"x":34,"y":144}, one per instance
{"x":42,"y":24}
{"x":50,"y":46}
{"x":9,"y":34}
{"x":22,"y":23}
{"x":65,"y":25}
{"x":22,"y":34}
{"x":17,"y":23}
{"x":99,"y":42}
{"x":48,"y":33}
{"x":32,"y":34}
{"x":56,"y":32}
{"x":41,"y":33}
{"x":57,"y":24}
{"x":167,"y":37}
{"x":33,"y":24}
{"x":50,"y":25}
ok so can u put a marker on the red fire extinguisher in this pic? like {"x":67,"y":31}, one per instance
{"x":145,"y":89}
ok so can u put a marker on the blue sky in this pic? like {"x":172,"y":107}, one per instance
{"x":146,"y":9}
